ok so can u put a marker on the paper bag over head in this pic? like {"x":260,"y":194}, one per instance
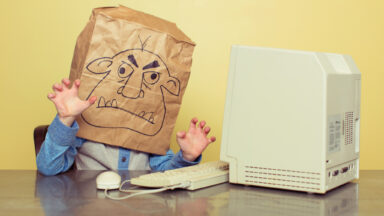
{"x":138,"y":66}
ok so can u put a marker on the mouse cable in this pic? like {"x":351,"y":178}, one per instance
{"x":141,"y":192}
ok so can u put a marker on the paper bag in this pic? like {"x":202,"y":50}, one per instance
{"x":138,"y":66}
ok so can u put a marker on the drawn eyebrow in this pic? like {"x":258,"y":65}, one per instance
{"x":153,"y":64}
{"x":132,"y":59}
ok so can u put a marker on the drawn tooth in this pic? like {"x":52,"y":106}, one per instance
{"x":141,"y":94}
{"x":146,"y":116}
{"x":114,"y":103}
{"x":120,"y":90}
{"x":101,"y":102}
{"x":151,"y":118}
{"x":141,"y":114}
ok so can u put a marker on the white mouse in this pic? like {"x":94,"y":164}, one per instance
{"x":108,"y":180}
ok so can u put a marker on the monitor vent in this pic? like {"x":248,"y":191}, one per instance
{"x":349,"y":127}
{"x":282,"y":178}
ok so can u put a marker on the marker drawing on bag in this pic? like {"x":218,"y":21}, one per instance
{"x":133,"y":86}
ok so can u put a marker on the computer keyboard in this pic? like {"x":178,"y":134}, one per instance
{"x":191,"y":178}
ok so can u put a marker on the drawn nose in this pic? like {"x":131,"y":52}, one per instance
{"x":130,"y":92}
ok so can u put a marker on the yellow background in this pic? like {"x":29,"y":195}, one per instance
{"x":38,"y":38}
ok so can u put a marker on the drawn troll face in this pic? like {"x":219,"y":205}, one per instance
{"x":131,"y":94}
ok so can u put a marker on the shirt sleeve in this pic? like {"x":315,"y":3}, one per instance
{"x":59,"y":148}
{"x":170,"y":161}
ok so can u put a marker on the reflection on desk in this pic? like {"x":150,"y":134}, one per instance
{"x":343,"y":201}
{"x":74,"y":193}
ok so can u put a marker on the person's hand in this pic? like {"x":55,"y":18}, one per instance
{"x":193,"y":142}
{"x":67,"y":102}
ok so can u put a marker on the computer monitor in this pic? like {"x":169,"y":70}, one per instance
{"x":291,"y":119}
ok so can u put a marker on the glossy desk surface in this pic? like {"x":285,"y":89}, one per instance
{"x":74,"y":193}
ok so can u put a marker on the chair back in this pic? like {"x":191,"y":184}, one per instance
{"x":39,"y":136}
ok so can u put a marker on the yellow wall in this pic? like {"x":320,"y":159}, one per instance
{"x":38,"y":37}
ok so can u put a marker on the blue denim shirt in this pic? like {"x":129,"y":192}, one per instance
{"x":58,"y":152}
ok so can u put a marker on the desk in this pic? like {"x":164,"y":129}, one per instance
{"x":74,"y":193}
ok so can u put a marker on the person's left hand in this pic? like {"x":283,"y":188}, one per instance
{"x":193,"y":142}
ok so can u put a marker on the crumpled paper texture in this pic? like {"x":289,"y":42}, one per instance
{"x":138,"y":66}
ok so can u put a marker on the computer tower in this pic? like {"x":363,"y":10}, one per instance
{"x":291,"y":119}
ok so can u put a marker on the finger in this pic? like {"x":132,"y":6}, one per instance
{"x":202,"y":124}
{"x":66,"y":82}
{"x":206,"y":130}
{"x":77,"y":83}
{"x":181,"y":134}
{"x":212,"y":139}
{"x":51,"y":96}
{"x":92,"y":100}
{"x":88,"y":103}
{"x":193,"y":123}
{"x":75,"y":86}
{"x":57,"y":87}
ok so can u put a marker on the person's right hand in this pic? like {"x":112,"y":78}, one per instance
{"x":67,"y":102}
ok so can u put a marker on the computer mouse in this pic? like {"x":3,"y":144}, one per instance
{"x":108,"y":180}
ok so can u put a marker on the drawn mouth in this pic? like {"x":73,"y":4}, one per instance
{"x":147,"y":116}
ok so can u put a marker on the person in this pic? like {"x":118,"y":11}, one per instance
{"x":62,"y":148}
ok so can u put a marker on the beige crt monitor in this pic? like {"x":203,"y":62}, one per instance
{"x":291,"y":119}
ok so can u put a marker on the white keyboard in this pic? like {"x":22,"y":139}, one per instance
{"x":192,"y":177}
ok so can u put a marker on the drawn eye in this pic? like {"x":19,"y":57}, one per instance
{"x":151,"y":77}
{"x":124,"y":70}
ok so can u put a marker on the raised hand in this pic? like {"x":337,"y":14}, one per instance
{"x":67,"y":102}
{"x":194,"y":142}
